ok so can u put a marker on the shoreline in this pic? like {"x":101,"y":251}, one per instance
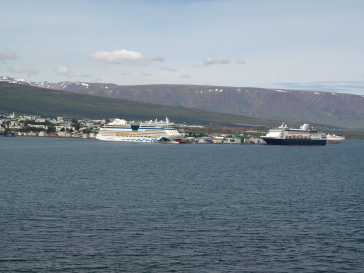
{"x":55,"y":137}
{"x":244,"y":143}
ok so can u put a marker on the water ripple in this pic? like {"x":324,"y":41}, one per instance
{"x":85,"y":206}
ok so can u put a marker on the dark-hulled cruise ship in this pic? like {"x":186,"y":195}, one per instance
{"x":291,"y":136}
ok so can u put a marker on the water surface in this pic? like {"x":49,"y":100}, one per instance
{"x":71,"y":205}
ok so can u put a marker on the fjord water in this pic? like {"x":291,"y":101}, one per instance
{"x":70,"y":205}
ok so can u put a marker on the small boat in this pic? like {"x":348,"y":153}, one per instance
{"x":335,"y":137}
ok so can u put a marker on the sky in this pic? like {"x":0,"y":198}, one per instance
{"x":305,"y":45}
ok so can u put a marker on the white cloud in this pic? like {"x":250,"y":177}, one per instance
{"x":122,"y":57}
{"x":20,"y":69}
{"x":221,"y":60}
{"x":147,"y":74}
{"x":166,"y":68}
{"x":195,"y":66}
{"x":240,"y":61}
{"x":64,"y":71}
{"x":8,"y":56}
{"x":125,"y":73}
{"x":185,"y":76}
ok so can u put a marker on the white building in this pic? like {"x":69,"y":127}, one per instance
{"x":31,"y":133}
{"x":39,"y":126}
{"x":59,"y":127}
{"x":254,"y":140}
{"x":64,"y":134}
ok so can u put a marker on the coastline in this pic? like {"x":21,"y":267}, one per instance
{"x":58,"y":137}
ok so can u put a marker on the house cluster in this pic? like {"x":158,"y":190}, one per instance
{"x":42,"y":126}
{"x":57,"y":134}
{"x":225,"y":139}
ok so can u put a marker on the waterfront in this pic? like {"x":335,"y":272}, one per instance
{"x":81,"y":206}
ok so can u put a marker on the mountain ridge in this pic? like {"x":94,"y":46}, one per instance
{"x":24,"y":99}
{"x":336,"y":109}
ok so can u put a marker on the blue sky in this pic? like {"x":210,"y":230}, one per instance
{"x":309,"y":45}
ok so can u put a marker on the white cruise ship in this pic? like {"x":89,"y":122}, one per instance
{"x":291,"y":136}
{"x":148,"y":131}
{"x":335,"y":137}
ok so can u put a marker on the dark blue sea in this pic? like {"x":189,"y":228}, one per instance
{"x":72,"y":205}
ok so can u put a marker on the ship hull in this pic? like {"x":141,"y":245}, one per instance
{"x":296,"y":142}
{"x":136,"y":139}
{"x":128,"y":139}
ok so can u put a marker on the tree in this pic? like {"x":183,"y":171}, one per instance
{"x":77,"y":126}
{"x":62,"y":130}
{"x":51,"y":129}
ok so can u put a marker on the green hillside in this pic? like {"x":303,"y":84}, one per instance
{"x":38,"y":101}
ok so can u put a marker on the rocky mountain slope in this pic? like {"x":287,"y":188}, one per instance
{"x":335,"y":109}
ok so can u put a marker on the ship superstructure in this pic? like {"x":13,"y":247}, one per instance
{"x":305,"y":135}
{"x":148,"y":131}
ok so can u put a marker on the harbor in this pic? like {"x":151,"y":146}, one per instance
{"x":159,"y":131}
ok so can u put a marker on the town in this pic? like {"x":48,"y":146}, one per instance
{"x":37,"y":126}
{"x":30,"y":125}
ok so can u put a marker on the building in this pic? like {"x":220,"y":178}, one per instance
{"x":31,"y":133}
{"x":42,"y":134}
{"x":39,"y":126}
{"x":255,"y":140}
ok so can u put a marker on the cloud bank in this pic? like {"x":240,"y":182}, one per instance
{"x":8,"y":56}
{"x":240,"y":61}
{"x":122,"y":56}
{"x":351,"y":87}
{"x":209,"y":60}
{"x":22,"y":69}
{"x":166,"y":68}
{"x":64,"y":71}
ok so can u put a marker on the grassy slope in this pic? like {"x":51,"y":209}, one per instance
{"x":37,"y":101}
